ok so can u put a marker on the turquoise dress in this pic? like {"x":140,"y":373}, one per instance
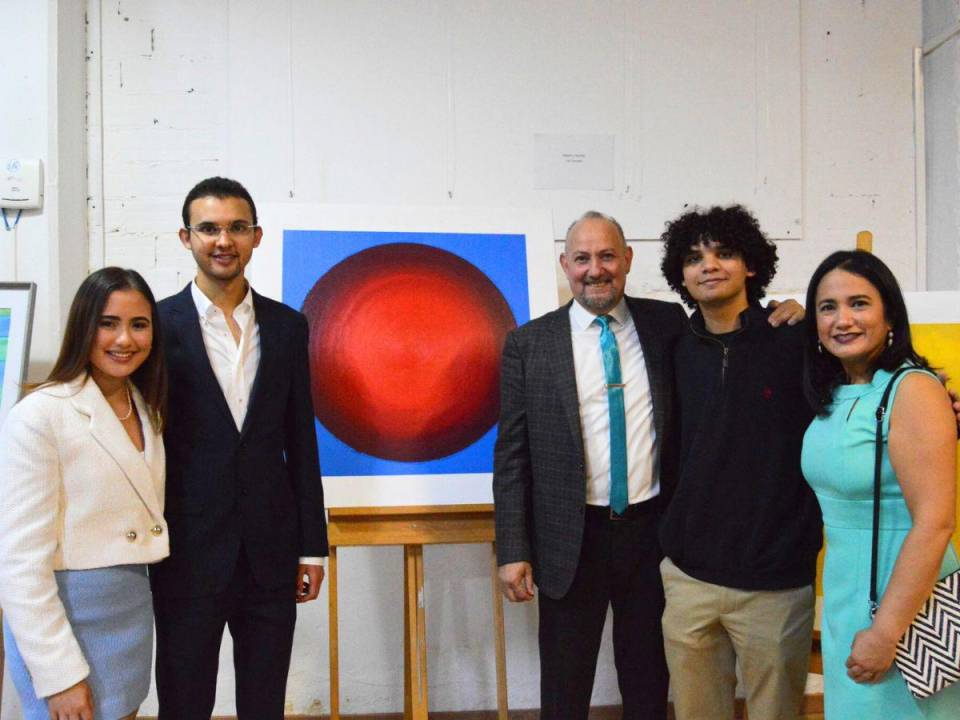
{"x":838,"y":460}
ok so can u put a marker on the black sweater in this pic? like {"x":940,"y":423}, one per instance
{"x":742,"y":515}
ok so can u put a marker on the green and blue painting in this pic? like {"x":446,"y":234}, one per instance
{"x":4,"y":339}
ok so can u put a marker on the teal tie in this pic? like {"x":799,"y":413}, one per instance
{"x":618,"y":419}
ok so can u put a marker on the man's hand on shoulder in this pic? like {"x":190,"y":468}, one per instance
{"x":955,"y":404}
{"x":309,"y":579}
{"x":789,"y":311}
{"x":516,"y":581}
{"x":954,"y":398}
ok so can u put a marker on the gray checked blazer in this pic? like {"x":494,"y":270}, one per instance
{"x":539,"y":484}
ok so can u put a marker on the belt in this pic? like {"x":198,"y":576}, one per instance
{"x":634,"y":510}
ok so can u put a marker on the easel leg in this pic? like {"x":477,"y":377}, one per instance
{"x":421,"y":640}
{"x":499,"y":642}
{"x":334,"y":635}
{"x":407,"y":684}
{"x":414,"y":636}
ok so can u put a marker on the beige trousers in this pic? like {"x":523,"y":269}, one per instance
{"x":707,"y":628}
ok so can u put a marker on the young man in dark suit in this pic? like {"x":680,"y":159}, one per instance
{"x":579,"y":468}
{"x":244,"y":500}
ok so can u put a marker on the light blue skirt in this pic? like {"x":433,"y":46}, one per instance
{"x":111,"y":613}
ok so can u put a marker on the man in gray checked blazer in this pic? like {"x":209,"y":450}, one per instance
{"x":552,"y":474}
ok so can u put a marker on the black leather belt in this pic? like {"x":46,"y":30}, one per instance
{"x":635,"y":510}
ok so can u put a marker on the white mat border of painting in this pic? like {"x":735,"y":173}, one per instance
{"x":266,"y":275}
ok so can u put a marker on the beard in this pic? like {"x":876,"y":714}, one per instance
{"x":599,"y":303}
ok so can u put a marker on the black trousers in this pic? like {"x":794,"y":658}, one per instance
{"x":189,"y":633}
{"x":619,"y":566}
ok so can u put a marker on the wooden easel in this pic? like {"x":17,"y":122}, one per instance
{"x":413,"y":527}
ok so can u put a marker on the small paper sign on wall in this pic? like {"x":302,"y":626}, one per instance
{"x":573,"y":162}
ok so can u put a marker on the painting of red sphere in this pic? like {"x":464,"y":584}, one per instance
{"x":405,"y":343}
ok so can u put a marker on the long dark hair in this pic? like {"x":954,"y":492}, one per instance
{"x":83,"y":322}
{"x":823,"y":371}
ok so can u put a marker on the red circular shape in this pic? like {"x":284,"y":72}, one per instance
{"x":405,"y":343}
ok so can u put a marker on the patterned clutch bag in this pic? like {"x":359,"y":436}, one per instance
{"x":928,"y":654}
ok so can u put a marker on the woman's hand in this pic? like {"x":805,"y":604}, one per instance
{"x":871,"y":655}
{"x":74,"y":703}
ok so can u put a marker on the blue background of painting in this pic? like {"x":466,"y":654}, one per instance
{"x":309,"y":254}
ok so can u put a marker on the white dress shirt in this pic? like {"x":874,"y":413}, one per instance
{"x":234,"y":363}
{"x":642,"y":460}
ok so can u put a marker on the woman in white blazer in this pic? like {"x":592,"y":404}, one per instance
{"x":81,"y":510}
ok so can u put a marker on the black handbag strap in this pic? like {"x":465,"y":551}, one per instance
{"x":878,"y":459}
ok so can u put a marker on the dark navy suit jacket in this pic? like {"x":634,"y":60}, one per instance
{"x":257,"y":488}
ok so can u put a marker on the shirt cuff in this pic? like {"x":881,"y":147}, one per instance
{"x":312,"y":561}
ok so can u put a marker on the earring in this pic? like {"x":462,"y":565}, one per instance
{"x":889,"y":338}
{"x":819,"y":347}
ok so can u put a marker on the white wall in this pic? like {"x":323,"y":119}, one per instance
{"x":42,"y":116}
{"x":858,"y":147}
{"x":941,"y":67}
{"x":174,"y":111}
{"x":426,"y":102}
{"x":166,"y":110}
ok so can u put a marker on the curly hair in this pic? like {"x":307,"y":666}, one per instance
{"x":732,"y":227}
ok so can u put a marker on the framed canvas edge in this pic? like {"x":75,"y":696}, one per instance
{"x":29,"y":291}
{"x":266,"y":275}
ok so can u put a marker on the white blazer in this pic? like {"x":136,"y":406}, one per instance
{"x":74,"y":494}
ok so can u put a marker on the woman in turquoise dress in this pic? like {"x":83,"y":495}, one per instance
{"x":860,"y":337}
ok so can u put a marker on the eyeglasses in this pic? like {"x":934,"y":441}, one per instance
{"x":212,"y":231}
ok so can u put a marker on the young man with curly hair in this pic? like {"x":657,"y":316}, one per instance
{"x":742,"y":529}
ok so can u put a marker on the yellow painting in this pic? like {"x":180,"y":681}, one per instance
{"x":940,"y":344}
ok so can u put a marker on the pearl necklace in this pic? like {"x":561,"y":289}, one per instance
{"x":129,"y":406}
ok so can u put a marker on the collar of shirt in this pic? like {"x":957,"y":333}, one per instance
{"x":234,"y":361}
{"x":581,"y":318}
{"x":206,"y":308}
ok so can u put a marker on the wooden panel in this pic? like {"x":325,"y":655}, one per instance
{"x":425,"y":525}
{"x":812,"y":709}
{"x":352,"y":512}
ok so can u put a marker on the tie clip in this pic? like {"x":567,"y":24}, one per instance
{"x":616,"y":385}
